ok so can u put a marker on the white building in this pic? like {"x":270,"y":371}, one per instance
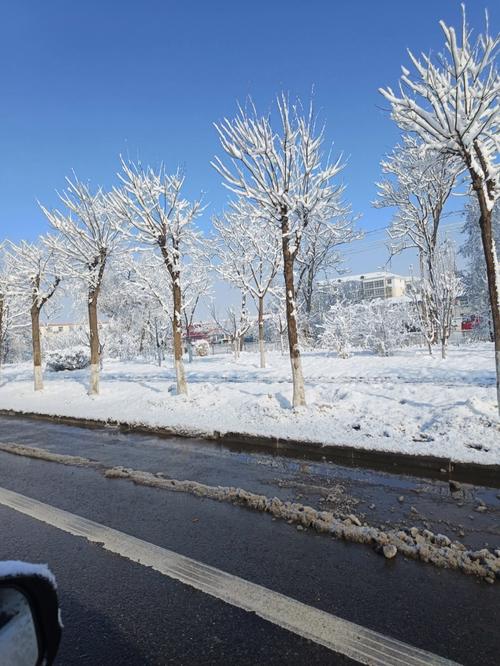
{"x":51,"y":330}
{"x":367,"y":286}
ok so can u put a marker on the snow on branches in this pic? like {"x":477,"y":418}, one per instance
{"x":452,"y":104}
{"x":150,"y":201}
{"x":380,"y":326}
{"x":448,"y":288}
{"x":418,"y":186}
{"x":475,"y":274}
{"x":87,"y":238}
{"x":13,"y":310}
{"x":35,"y":277}
{"x":282,"y":173}
{"x":249,"y":255}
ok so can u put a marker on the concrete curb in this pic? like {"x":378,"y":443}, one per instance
{"x":386,"y":461}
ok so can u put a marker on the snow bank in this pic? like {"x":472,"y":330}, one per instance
{"x":409,"y":403}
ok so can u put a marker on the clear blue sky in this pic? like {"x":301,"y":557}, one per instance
{"x":82,"y":82}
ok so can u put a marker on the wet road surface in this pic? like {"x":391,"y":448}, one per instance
{"x":117,"y":611}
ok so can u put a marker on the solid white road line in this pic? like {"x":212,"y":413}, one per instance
{"x":361,"y":644}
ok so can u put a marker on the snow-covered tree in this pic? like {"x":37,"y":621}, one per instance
{"x":13,"y":310}
{"x":320,"y":257}
{"x":380,"y":326}
{"x":151,"y":202}
{"x":127,"y":310}
{"x":196,"y":287}
{"x":388,"y":324}
{"x":235,"y":325}
{"x":249,"y":255}
{"x":445,"y":286}
{"x":422,"y":296}
{"x":451,"y":104}
{"x":283,"y":173}
{"x":277,"y":316}
{"x":74,"y":338}
{"x":475,"y":276}
{"x":337,"y":329}
{"x":35,"y":277}
{"x":418,"y":185}
{"x":87,"y":239}
{"x":151,"y":284}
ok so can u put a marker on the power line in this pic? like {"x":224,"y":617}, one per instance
{"x":383,"y":242}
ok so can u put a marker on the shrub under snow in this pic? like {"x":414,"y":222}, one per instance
{"x":74,"y":358}
{"x":201,"y":347}
{"x":338,"y":329}
{"x":380,"y":326}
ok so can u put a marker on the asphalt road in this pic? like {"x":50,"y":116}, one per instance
{"x":119,"y":611}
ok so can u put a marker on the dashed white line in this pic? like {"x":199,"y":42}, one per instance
{"x":354,"y":641}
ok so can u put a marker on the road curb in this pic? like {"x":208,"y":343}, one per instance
{"x":387,"y":461}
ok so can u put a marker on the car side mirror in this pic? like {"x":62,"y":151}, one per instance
{"x":30,"y":630}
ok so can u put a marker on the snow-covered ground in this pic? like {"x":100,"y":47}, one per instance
{"x":408,"y":402}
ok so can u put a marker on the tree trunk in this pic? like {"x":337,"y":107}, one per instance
{"x":94,"y":342}
{"x":179,"y":364}
{"x":306,"y":324}
{"x":425,"y":317}
{"x":141,"y":341}
{"x":490,"y":255}
{"x":157,"y":344}
{"x":299,"y":397}
{"x":37,"y":351}
{"x":262,"y":348}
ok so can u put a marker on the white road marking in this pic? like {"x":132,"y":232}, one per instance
{"x":356,"y":642}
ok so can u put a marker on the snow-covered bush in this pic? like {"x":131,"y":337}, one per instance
{"x":388,"y":323}
{"x":337,"y":330}
{"x":201,"y":347}
{"x":380,"y":326}
{"x":62,"y":340}
{"x":74,"y":358}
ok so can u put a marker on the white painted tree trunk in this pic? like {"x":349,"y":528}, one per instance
{"x":181,"y":377}
{"x":94,"y":379}
{"x":299,"y":394}
{"x":262,"y":344}
{"x":38,"y":377}
{"x":262,"y":351}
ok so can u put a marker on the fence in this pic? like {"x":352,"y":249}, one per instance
{"x":227,"y":348}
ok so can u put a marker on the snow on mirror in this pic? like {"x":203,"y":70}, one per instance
{"x":18,"y":638}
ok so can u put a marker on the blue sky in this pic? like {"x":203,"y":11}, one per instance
{"x":82,"y":82}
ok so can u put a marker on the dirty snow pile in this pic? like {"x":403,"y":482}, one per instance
{"x":409,"y":402}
